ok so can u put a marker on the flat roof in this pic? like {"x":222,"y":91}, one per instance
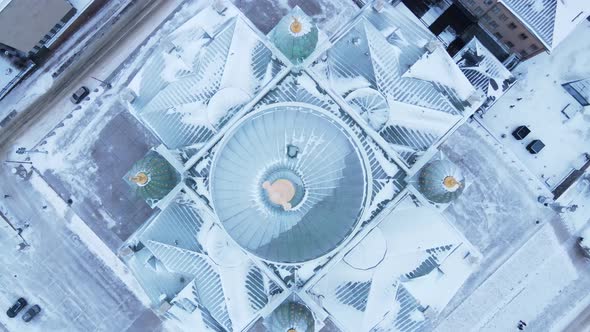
{"x":24,"y":23}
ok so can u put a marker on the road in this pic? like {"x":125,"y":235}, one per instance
{"x":80,"y":284}
{"x":94,"y":59}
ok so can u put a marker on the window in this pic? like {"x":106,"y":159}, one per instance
{"x":496,"y":10}
{"x":493,"y":24}
{"x":498,"y":35}
{"x":509,"y":44}
{"x":524,"y":53}
{"x":534,"y":47}
{"x":502,"y":17}
{"x":523,"y":36}
{"x":511,"y":25}
{"x":478,"y":11}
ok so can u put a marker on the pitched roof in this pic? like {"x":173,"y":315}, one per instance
{"x":484,"y":70}
{"x":550,"y":20}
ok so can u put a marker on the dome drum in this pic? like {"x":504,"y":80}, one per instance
{"x":289,"y":182}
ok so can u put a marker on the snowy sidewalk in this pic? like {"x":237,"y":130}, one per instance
{"x":520,"y":289}
{"x":67,"y":270}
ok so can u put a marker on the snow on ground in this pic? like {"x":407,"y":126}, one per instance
{"x":358,"y":293}
{"x":536,"y":285}
{"x":65,"y":270}
{"x":86,"y":236}
{"x":90,"y":149}
{"x":327,"y":14}
{"x":579,"y":195}
{"x":9,"y":72}
{"x":500,"y":206}
{"x":498,"y":212}
{"x":537,"y":99}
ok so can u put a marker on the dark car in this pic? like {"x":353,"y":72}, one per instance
{"x":79,"y":95}
{"x":31,"y":313}
{"x":19,"y":305}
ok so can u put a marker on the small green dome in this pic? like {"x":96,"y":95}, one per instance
{"x":441,"y":181}
{"x":295,"y":35}
{"x":291,"y":316}
{"x":152,"y":177}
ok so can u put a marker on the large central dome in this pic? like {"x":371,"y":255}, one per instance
{"x":289,"y":183}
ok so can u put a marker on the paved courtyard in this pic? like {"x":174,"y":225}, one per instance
{"x":95,"y":182}
{"x":59,"y":270}
{"x":538,"y":101}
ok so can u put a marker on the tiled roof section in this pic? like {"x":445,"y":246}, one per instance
{"x":354,"y":294}
{"x":580,"y":90}
{"x":407,"y":318}
{"x":174,"y":261}
{"x":380,"y":65}
{"x":177,"y":225}
{"x":539,"y":15}
{"x":436,"y":256}
{"x":483,"y":70}
{"x":408,"y":304}
{"x":186,"y":94}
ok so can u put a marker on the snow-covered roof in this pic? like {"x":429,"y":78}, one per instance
{"x":485,"y":72}
{"x":24,"y":23}
{"x":376,"y":95}
{"x":159,"y":180}
{"x":551,"y":20}
{"x":386,"y":63}
{"x":300,"y":152}
{"x":580,"y":90}
{"x":180,"y":256}
{"x":199,"y":76}
{"x":388,"y":279}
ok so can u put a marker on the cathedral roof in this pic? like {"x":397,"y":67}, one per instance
{"x":289,"y":183}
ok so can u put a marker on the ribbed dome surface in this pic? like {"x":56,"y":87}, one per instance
{"x":295,"y":35}
{"x":291,"y":316}
{"x":441,"y":181}
{"x":160,"y":175}
{"x":289,"y":183}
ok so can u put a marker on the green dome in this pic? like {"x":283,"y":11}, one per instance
{"x":291,"y":316}
{"x":295,"y":35}
{"x":152,"y":177}
{"x":441,"y":181}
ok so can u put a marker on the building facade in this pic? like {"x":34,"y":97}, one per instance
{"x":505,"y":26}
{"x":527,"y":27}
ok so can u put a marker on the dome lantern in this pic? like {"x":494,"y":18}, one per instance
{"x":291,"y":316}
{"x":289,"y":183}
{"x":152,"y":177}
{"x":441,"y":181}
{"x":296,"y":36}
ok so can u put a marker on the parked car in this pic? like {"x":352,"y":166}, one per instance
{"x":584,"y":244}
{"x":31,"y":313}
{"x":584,"y":241}
{"x":79,"y":95}
{"x":19,"y":305}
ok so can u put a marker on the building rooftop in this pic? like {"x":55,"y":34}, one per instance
{"x":288,"y":183}
{"x":550,"y":20}
{"x":41,"y":17}
{"x":484,"y":71}
{"x":294,"y":166}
